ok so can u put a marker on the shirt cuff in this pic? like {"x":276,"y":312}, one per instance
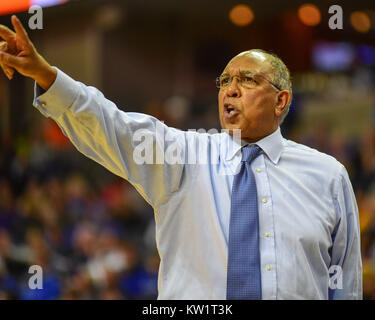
{"x":58,"y":98}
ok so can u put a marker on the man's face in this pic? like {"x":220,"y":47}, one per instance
{"x":252,"y":110}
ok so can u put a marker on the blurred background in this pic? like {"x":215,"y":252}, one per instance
{"x":89,"y":230}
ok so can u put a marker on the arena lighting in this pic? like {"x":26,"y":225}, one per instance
{"x":13,"y":6}
{"x":241,"y":15}
{"x":309,"y":14}
{"x":360,"y":21}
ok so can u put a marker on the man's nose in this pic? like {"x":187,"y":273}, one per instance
{"x":233,"y":89}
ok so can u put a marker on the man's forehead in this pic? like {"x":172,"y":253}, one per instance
{"x":253,"y":54}
{"x":248,"y":60}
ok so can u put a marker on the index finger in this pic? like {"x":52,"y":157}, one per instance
{"x":20,"y":30}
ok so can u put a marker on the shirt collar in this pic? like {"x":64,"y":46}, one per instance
{"x":272,"y":146}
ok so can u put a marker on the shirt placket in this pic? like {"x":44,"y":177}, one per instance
{"x":266,"y":229}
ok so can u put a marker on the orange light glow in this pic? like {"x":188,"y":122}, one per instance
{"x":7,"y":7}
{"x":241,"y":15}
{"x":360,"y":21}
{"x":309,"y":14}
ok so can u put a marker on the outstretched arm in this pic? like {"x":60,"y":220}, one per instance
{"x":18,"y":53}
{"x":95,"y":125}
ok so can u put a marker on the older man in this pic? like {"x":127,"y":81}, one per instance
{"x":266,"y":218}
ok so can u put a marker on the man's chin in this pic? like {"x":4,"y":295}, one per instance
{"x":233,"y":130}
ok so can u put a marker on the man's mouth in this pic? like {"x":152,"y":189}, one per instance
{"x":230,"y":111}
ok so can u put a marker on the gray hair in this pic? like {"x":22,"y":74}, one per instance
{"x":280,"y":76}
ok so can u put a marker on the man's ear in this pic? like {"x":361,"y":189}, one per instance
{"x":283,"y":98}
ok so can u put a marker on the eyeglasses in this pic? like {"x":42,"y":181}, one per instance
{"x":246,"y":80}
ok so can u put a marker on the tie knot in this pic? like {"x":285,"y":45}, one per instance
{"x":250,"y":152}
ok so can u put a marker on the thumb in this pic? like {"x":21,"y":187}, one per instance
{"x":11,"y":61}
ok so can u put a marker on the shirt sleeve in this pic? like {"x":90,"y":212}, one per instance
{"x":131,"y":145}
{"x":346,"y":263}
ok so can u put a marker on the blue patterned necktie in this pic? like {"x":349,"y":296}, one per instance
{"x":243,"y":274}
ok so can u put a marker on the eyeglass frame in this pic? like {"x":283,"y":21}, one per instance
{"x":243,"y":74}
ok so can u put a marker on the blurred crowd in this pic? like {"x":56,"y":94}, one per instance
{"x":92,"y":240}
{"x":94,"y":236}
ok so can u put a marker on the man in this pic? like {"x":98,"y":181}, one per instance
{"x":265,"y":219}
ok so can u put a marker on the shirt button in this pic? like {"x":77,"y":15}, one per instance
{"x":267,"y":234}
{"x":258,"y":170}
{"x":268,"y":268}
{"x":264,"y":200}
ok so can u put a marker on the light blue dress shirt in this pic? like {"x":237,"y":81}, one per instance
{"x":308,"y":216}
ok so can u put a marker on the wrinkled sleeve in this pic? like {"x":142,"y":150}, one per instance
{"x":129,"y":144}
{"x":346,"y":262}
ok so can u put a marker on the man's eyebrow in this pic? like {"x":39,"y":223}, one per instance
{"x":226,"y":74}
